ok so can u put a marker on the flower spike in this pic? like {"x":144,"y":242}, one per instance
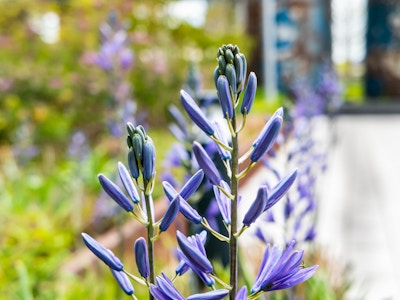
{"x":103,"y":253}
{"x":115,"y":193}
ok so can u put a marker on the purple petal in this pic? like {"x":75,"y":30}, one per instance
{"x":280,"y":189}
{"x":257,"y":207}
{"x":115,"y":193}
{"x":170,"y":214}
{"x":127,"y":182}
{"x":241,"y":294}
{"x":195,"y":113}
{"x":249,"y":94}
{"x":123,"y":281}
{"x":142,"y":259}
{"x":213,"y":295}
{"x":206,"y":163}
{"x":192,"y":185}
{"x":224,"y":96}
{"x":103,"y":253}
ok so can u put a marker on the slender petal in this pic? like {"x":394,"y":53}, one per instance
{"x":164,"y":289}
{"x":222,"y":136}
{"x":103,"y":253}
{"x":170,"y":214}
{"x":241,"y":294}
{"x":257,"y":207}
{"x":127,"y":182}
{"x":115,"y":193}
{"x":213,"y":295}
{"x":280,"y":189}
{"x":206,"y":163}
{"x":267,"y":138}
{"x":249,"y":94}
{"x":196,"y":114}
{"x":223,"y":202}
{"x":123,"y":281}
{"x":194,"y":252}
{"x":179,"y":118}
{"x":184,"y":207}
{"x":142,"y":260}
{"x":192,"y":185}
{"x":224,"y":96}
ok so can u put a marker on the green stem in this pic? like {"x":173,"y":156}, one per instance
{"x":233,"y":247}
{"x":150,"y":234}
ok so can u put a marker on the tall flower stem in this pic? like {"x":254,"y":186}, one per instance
{"x":150,"y":234}
{"x":233,"y":252}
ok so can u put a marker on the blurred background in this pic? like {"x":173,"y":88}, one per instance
{"x":72,"y":73}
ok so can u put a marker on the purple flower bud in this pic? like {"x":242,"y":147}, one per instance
{"x":266,"y":138}
{"x":149,"y":159}
{"x":170,"y":214}
{"x":224,"y":203}
{"x":133,"y":165}
{"x":219,"y":133}
{"x":241,"y":294}
{"x":280,"y":189}
{"x":195,"y":113}
{"x":206,"y":163}
{"x":213,"y":295}
{"x":224,"y":96}
{"x":115,"y":193}
{"x":192,"y":185}
{"x":123,"y":281}
{"x":127,"y":182}
{"x":103,"y":253}
{"x":194,"y":252}
{"x":142,"y":260}
{"x":184,"y":207}
{"x":257,"y":207}
{"x":249,"y":94}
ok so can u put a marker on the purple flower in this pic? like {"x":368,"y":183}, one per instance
{"x":123,"y":281}
{"x":249,"y":94}
{"x":170,"y":214}
{"x":281,"y":269}
{"x":192,"y":185}
{"x":142,"y":260}
{"x":224,"y":95}
{"x":194,"y":252}
{"x":206,"y":163}
{"x":257,"y":207}
{"x":115,"y":193}
{"x":127,"y":182}
{"x":103,"y":253}
{"x":267,"y":137}
{"x":195,"y":113}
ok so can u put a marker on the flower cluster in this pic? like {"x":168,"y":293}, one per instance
{"x":279,"y":269}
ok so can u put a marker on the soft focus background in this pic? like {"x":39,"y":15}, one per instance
{"x":73,"y":72}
